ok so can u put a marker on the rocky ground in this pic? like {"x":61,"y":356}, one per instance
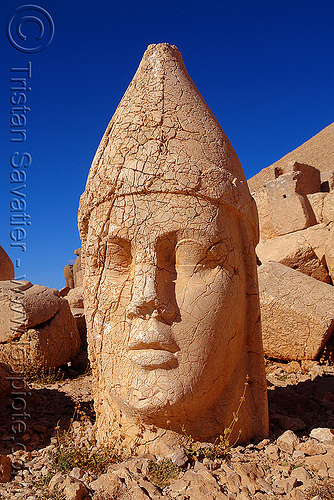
{"x":296,"y":462}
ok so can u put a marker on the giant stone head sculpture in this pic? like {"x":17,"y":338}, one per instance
{"x":168,"y":232}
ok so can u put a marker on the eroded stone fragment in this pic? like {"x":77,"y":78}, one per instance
{"x":296,"y":312}
{"x":267,"y":230}
{"x":289,"y":207}
{"x":295,"y":250}
{"x":23,"y":307}
{"x":168,"y":231}
{"x":49,"y":345}
{"x":77,"y":271}
{"x":327,"y":181}
{"x":309,"y":182}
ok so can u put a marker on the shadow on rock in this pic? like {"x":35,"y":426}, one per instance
{"x":29,"y":423}
{"x":302,"y":407}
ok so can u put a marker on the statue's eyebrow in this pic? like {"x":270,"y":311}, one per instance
{"x":116,"y":233}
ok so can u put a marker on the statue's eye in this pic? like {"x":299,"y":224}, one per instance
{"x":193,"y":256}
{"x":118,"y":257}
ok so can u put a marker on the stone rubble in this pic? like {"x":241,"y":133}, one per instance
{"x":289,"y":464}
{"x":296,"y":312}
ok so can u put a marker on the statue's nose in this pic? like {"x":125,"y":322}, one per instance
{"x":148,"y":295}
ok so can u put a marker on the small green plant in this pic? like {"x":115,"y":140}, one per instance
{"x":78,"y":451}
{"x":197,"y":452}
{"x":37,"y":372}
{"x":327,"y":355}
{"x":160,"y":473}
{"x":42,"y":489}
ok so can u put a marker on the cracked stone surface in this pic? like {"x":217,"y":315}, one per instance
{"x":296,"y":312}
{"x":168,"y":231}
{"x":36,"y":326}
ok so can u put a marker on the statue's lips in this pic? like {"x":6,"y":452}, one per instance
{"x":151,"y":359}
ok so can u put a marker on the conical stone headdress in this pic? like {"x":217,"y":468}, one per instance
{"x":163,"y":138}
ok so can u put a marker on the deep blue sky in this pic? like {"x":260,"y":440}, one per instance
{"x":265,"y":68}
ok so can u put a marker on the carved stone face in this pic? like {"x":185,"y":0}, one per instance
{"x":165,"y":295}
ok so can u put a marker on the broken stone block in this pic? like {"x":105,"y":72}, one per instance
{"x":296,"y":312}
{"x":24,"y":306}
{"x":327,"y":181}
{"x":6,"y":266}
{"x":77,"y":271}
{"x":321,"y":239}
{"x":75,"y":300}
{"x":317,"y":201}
{"x":328,"y":210}
{"x":295,"y":251}
{"x":288,"y":441}
{"x":68,"y":275}
{"x":50,"y":344}
{"x":267,"y":230}
{"x":289,"y":209}
{"x":323,"y":434}
{"x":309,"y":182}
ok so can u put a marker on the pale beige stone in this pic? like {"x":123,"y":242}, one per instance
{"x":50,"y":344}
{"x":6,"y":266}
{"x":267,"y":230}
{"x":288,"y":441}
{"x":77,"y":271}
{"x":309,"y":182}
{"x":328,"y":210}
{"x":289,"y":207}
{"x":322,"y":434}
{"x":295,"y":250}
{"x":74,"y":297}
{"x":321,"y":239}
{"x":296,"y":312}
{"x":168,"y":232}
{"x":327,"y":181}
{"x":68,"y":275}
{"x":23,"y":307}
{"x":317,"y":201}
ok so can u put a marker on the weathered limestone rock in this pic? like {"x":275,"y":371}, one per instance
{"x":75,"y":300}
{"x":74,"y":297}
{"x":168,"y":231}
{"x":323,"y":434}
{"x":309,"y":182}
{"x":77,"y":271}
{"x":295,"y":250}
{"x":296,"y":312}
{"x":68,"y":275}
{"x":327,"y":181}
{"x":36,"y":326}
{"x":6,"y":266}
{"x":321,"y":239}
{"x":328,"y":210}
{"x":317,"y":201}
{"x":50,"y":345}
{"x":24,"y":305}
{"x":289,"y":207}
{"x":267,"y":230}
